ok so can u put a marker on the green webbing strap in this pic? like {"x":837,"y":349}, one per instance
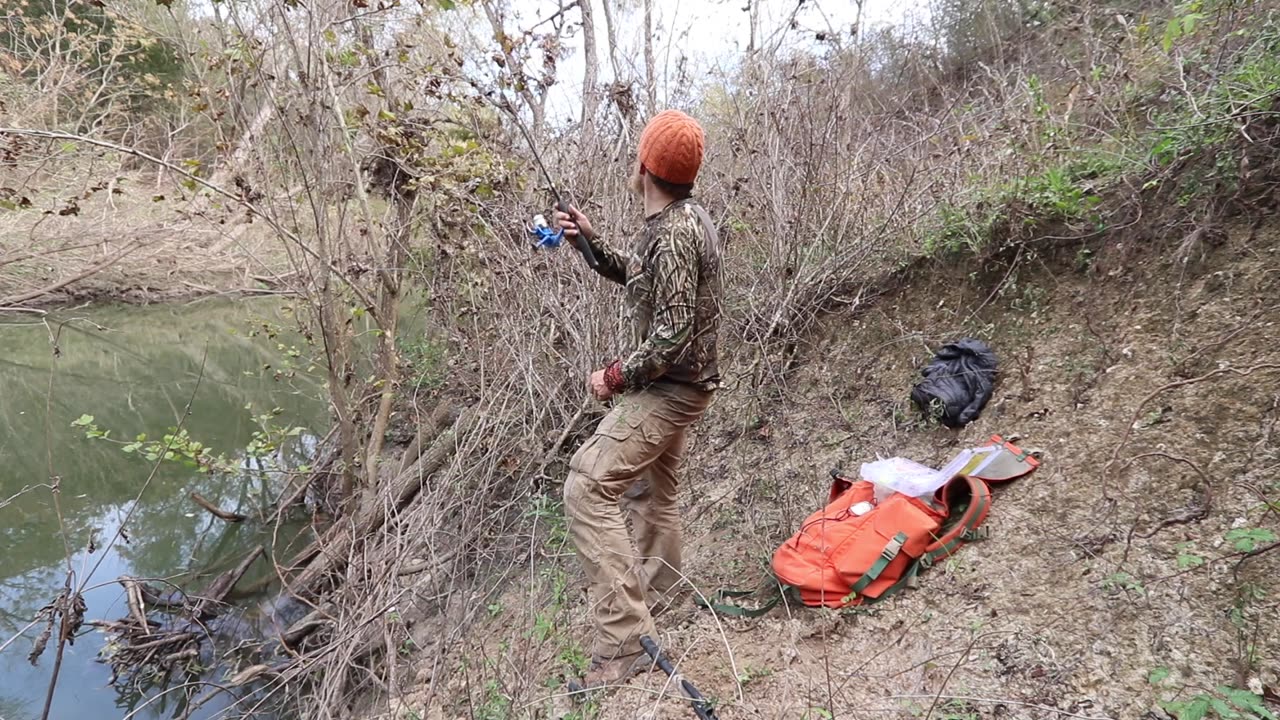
{"x":890,"y":551}
{"x":907,"y":578}
{"x":971,"y":532}
{"x":718,"y":604}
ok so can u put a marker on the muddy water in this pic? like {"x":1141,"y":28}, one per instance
{"x":134,"y":370}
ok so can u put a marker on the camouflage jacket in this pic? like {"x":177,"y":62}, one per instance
{"x":672,"y":277}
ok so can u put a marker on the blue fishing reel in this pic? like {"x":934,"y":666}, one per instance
{"x":546,"y":237}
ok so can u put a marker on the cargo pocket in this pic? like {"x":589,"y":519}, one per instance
{"x":624,"y":421}
{"x":624,"y":444}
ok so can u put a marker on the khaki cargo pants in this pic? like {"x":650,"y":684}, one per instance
{"x":631,"y":463}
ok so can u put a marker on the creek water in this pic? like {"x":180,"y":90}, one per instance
{"x":134,"y":370}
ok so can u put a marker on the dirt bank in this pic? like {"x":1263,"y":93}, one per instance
{"x":1101,"y":594}
{"x":130,"y":241}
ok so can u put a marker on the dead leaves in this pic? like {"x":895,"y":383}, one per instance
{"x":68,"y":609}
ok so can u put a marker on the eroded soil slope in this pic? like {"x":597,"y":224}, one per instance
{"x":1103,"y":591}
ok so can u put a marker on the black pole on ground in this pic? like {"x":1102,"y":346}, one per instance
{"x":701,"y":707}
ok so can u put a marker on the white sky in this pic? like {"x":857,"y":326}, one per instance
{"x":711,"y":34}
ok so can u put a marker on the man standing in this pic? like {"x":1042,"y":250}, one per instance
{"x":671,"y":274}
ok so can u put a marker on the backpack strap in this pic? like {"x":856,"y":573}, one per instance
{"x":717,"y":602}
{"x":969,"y":527}
{"x":887,"y":555}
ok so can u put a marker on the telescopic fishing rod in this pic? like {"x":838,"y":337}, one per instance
{"x":547,"y":238}
{"x":701,"y":707}
{"x":698,"y":703}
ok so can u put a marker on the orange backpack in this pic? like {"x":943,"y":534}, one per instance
{"x":838,"y":558}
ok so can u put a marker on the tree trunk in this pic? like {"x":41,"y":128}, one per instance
{"x":650,"y":73}
{"x":591,"y":75}
{"x":612,"y":34}
{"x":395,"y":258}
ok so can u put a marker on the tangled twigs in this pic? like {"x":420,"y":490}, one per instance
{"x":144,"y":646}
{"x":335,"y":547}
{"x":1137,"y":411}
{"x":1198,"y":512}
{"x":1194,"y":513}
{"x":1253,"y":554}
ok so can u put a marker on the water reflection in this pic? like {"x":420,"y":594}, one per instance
{"x":134,"y":370}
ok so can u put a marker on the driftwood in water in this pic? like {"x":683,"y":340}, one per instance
{"x":144,"y":646}
{"x":332,"y":550}
{"x":134,"y":600}
{"x":216,"y":511}
{"x":170,"y":601}
{"x":217,"y":591}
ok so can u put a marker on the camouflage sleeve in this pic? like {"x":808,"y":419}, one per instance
{"x":612,"y":264}
{"x":676,"y":258}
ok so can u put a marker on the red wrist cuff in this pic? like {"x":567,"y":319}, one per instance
{"x":613,"y":376}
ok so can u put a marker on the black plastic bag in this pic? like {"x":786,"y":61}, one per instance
{"x":958,"y":382}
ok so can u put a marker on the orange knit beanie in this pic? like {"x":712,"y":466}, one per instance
{"x":671,"y":147}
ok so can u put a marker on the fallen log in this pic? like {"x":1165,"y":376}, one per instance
{"x":442,"y":415}
{"x":216,"y":511}
{"x":304,"y":628}
{"x":332,"y":550}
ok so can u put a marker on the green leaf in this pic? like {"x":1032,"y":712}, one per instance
{"x":446,"y":4}
{"x":82,"y":421}
{"x":1196,"y":709}
{"x":1248,"y":539}
{"x":1158,"y":675}
{"x":68,"y":147}
{"x":1224,"y":711}
{"x":1186,"y":560}
{"x":1171,"y":32}
{"x":1246,"y":700}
